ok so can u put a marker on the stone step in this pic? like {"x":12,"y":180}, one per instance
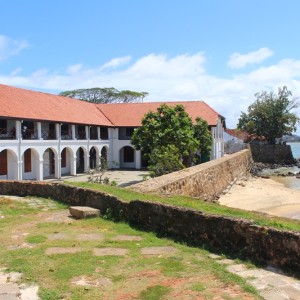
{"x":82,"y":212}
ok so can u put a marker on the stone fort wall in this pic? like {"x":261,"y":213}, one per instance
{"x":206,"y":181}
{"x":237,"y":237}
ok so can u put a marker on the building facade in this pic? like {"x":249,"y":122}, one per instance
{"x":48,"y":136}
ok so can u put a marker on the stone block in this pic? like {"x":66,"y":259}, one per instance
{"x":82,"y":212}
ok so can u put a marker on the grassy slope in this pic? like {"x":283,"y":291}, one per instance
{"x":134,"y":276}
{"x":197,"y":204}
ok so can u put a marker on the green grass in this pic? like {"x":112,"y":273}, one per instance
{"x":154,"y":292}
{"x":145,"y":277}
{"x":196,"y":204}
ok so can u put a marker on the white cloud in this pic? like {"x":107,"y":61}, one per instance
{"x":116,"y":62}
{"x":10,"y":47}
{"x":238,"y":60}
{"x":182,"y":77}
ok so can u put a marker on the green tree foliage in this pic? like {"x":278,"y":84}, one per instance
{"x":105,"y":95}
{"x":165,"y":160}
{"x":170,"y":130}
{"x":270,"y":115}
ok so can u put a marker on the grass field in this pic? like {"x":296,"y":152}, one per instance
{"x":32,"y":232}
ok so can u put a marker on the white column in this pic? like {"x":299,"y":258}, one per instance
{"x":138,"y":159}
{"x":57,"y":130}
{"x":98,"y":133}
{"x":39,"y":130}
{"x":40,"y":170}
{"x":18,"y":129}
{"x":73,"y":165}
{"x":57,"y":167}
{"x":73,"y":132}
{"x":87,"y":133}
{"x":19,"y":166}
{"x":86,"y":162}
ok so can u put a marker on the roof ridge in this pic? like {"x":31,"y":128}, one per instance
{"x":98,"y":108}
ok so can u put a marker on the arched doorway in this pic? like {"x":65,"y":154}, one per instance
{"x":104,"y":153}
{"x":127,"y":157}
{"x":30,"y":164}
{"x":66,"y":161}
{"x":49,"y":163}
{"x":93,"y":158}
{"x":80,"y":160}
{"x":8,"y":165}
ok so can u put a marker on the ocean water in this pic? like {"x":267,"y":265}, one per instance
{"x":295,"y":149}
{"x":290,"y":182}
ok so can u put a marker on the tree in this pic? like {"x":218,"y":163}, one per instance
{"x":270,"y":115}
{"x":105,"y":95}
{"x":169,"y":130}
{"x":202,"y":134}
{"x":165,"y":160}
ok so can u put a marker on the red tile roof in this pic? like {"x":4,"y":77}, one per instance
{"x":131,"y":114}
{"x":26,"y":104}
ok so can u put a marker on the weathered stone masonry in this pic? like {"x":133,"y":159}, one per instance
{"x":227,"y":235}
{"x":206,"y":181}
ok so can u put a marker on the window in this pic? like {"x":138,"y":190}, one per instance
{"x":129,"y":131}
{"x":3,"y":124}
{"x":27,"y":161}
{"x":104,"y":133}
{"x":64,"y":158}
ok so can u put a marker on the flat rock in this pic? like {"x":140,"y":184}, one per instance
{"x":60,"y":250}
{"x":110,"y":251}
{"x":82,"y":212}
{"x":158,"y":250}
{"x":90,"y":237}
{"x":127,"y":238}
{"x":9,"y":288}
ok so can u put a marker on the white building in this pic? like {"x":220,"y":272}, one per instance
{"x":44,"y":135}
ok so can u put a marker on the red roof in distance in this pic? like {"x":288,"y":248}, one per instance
{"x":131,"y":114}
{"x":26,"y":104}
{"x":17,"y":103}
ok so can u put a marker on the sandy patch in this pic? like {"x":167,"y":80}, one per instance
{"x":127,"y":238}
{"x":264,"y":195}
{"x":158,"y":251}
{"x":59,"y":250}
{"x":110,"y":251}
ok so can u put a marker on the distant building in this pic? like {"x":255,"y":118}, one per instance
{"x":44,"y":135}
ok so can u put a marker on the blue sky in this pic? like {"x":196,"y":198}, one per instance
{"x":222,"y":52}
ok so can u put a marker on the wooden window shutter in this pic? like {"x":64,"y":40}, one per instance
{"x":27,"y":161}
{"x":3,"y":162}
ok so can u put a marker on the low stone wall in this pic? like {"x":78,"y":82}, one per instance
{"x":237,"y":237}
{"x":272,"y":154}
{"x":206,"y":181}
